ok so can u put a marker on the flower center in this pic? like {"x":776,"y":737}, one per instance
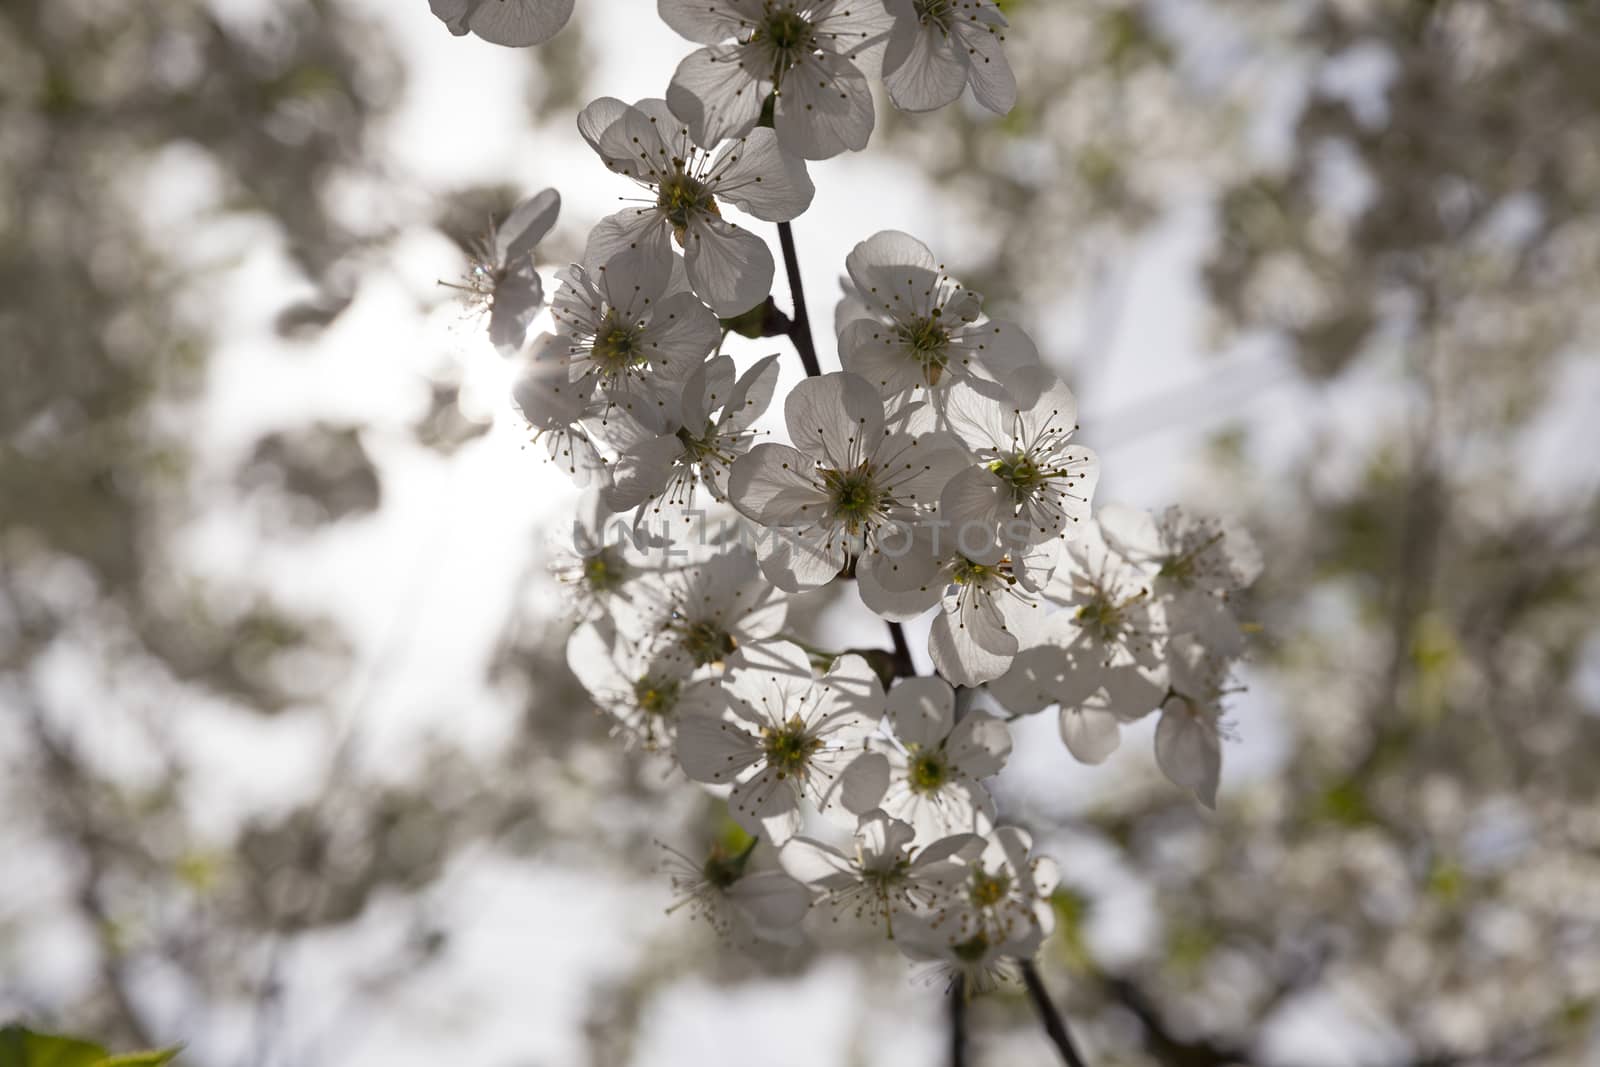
{"x":656,"y":696}
{"x":617,"y":344}
{"x":928,"y":771}
{"x":788,"y":748}
{"x":787,"y":33}
{"x":681,"y":197}
{"x":700,"y":448}
{"x":604,"y":572}
{"x":988,"y":889}
{"x":969,"y":573}
{"x":1101,"y":617}
{"x":1021,"y":474}
{"x":707,"y":642}
{"x":926,"y":337}
{"x":934,"y":11}
{"x":854,"y":496}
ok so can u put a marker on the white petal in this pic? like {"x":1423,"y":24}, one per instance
{"x":771,"y":484}
{"x":709,"y":21}
{"x":641,"y":473}
{"x":861,"y":787}
{"x":718,"y":92}
{"x":590,"y":657}
{"x":751,"y":396}
{"x":518,"y":23}
{"x":771,"y":900}
{"x":958,"y":657}
{"x":1030,"y":683}
{"x":711,"y":748}
{"x":992,"y":81}
{"x":922,"y":711}
{"x":706,"y":390}
{"x":1001,"y":348}
{"x":898,"y":586}
{"x":851,"y":690}
{"x":976,"y":505}
{"x":980,"y":744}
{"x":762,"y":178}
{"x":798,"y":561}
{"x":837,"y":418}
{"x":1188,"y":751}
{"x":824,"y":107}
{"x":682,"y":332}
{"x":1091,"y":734}
{"x":453,"y":13}
{"x":869,"y":348}
{"x":921,"y":68}
{"x":767,"y":805}
{"x":817,"y":863}
{"x":635,"y":231}
{"x":597,"y":117}
{"x":526,"y":226}
{"x":730,"y":268}
{"x":517,"y":299}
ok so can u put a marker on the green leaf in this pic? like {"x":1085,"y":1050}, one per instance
{"x":153,"y":1058}
{"x":20,"y":1047}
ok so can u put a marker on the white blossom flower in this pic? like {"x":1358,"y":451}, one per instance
{"x":1198,"y":563}
{"x":622,"y":333}
{"x":844,"y":484}
{"x":707,"y":610}
{"x":646,"y":695}
{"x":1003,"y":894}
{"x":1190,"y":732}
{"x":729,"y":267}
{"x":740,"y":905}
{"x":563,"y":416}
{"x":931,"y":774}
{"x":981,"y":961}
{"x":500,"y":273}
{"x":1032,"y":483}
{"x":910,"y":326}
{"x":804,"y":53}
{"x":883,"y":874}
{"x":599,"y":564}
{"x":939,"y":47}
{"x":1093,"y":700}
{"x":986,"y":598}
{"x":996,"y":908}
{"x":513,"y":23}
{"x":785,"y":737}
{"x":718,"y":413}
{"x":1102,"y":659}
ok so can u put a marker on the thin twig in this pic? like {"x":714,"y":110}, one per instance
{"x":1054,"y":1026}
{"x":800,"y":326}
{"x":904,"y":665}
{"x":958,"y":1022}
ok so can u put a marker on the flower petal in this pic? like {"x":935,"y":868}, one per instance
{"x":730,"y":268}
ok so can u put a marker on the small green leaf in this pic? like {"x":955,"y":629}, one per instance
{"x":20,"y":1047}
{"x":153,"y":1058}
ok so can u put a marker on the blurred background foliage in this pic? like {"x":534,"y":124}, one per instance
{"x":1397,"y":255}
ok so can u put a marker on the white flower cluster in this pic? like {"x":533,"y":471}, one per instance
{"x":937,"y":472}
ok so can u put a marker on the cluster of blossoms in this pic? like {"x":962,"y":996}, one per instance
{"x":937,"y":472}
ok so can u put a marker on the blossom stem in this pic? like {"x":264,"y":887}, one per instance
{"x":958,"y":1022}
{"x":1054,"y":1026}
{"x":904,"y":667}
{"x":800,"y":324}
